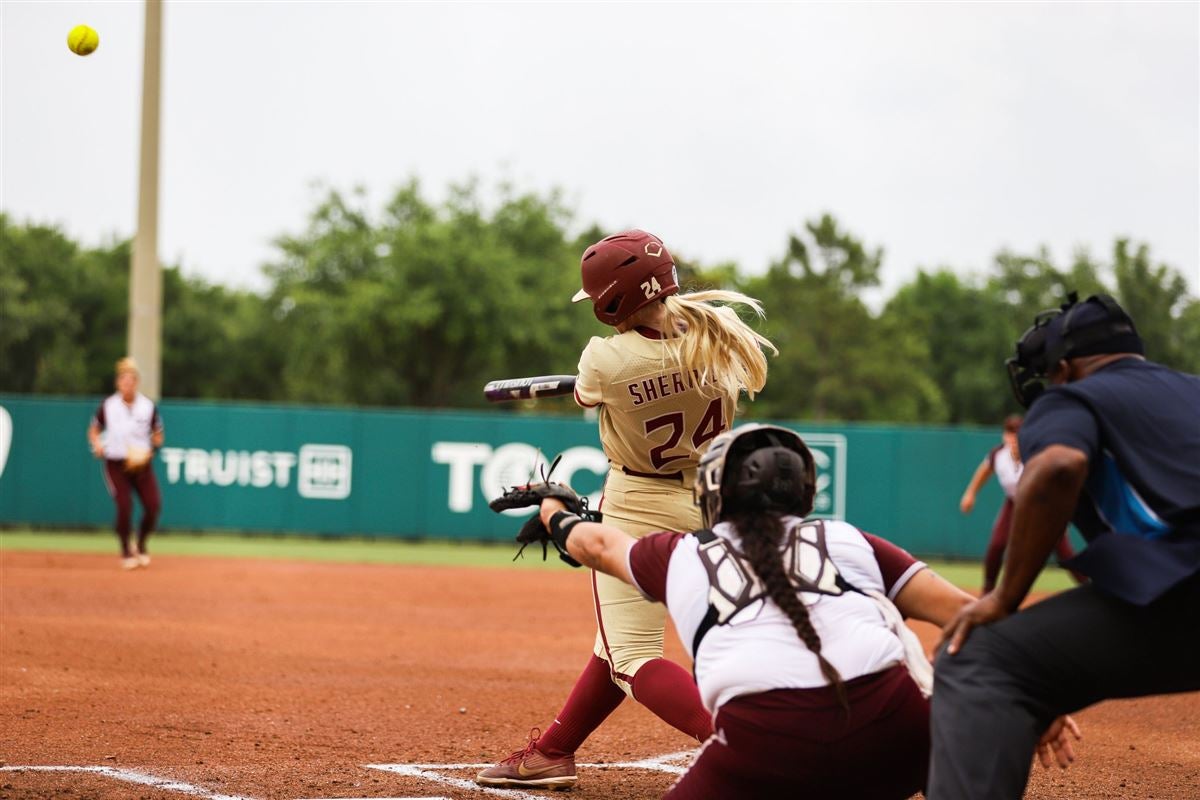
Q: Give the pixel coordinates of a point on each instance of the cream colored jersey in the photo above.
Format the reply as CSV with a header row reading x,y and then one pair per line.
x,y
655,418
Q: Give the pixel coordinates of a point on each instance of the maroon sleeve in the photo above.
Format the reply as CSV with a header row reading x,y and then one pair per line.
x,y
99,418
579,401
895,563
648,559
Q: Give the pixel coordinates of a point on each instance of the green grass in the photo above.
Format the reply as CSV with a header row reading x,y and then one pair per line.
x,y
967,574
362,551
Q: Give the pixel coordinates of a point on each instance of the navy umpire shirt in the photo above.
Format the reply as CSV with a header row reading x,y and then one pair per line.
x,y
1139,424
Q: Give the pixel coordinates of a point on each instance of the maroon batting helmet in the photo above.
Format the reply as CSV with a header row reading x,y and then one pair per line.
x,y
625,272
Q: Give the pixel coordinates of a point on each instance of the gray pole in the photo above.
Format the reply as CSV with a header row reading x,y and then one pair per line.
x,y
145,277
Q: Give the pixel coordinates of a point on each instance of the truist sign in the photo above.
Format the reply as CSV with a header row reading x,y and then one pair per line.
x,y
322,471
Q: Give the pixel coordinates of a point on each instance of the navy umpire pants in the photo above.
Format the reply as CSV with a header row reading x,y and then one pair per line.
x,y
993,700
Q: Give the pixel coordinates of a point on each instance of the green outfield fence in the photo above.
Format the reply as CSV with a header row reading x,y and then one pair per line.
x,y
410,474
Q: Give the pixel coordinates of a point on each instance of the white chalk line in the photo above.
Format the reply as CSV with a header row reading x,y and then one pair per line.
x,y
133,776
657,763
434,772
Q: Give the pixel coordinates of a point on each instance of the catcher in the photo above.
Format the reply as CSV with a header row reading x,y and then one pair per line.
x,y
124,433
666,384
800,650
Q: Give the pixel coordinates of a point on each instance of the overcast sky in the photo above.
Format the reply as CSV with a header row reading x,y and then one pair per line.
x,y
939,132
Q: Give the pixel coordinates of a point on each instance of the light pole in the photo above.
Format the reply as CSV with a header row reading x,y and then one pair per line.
x,y
145,276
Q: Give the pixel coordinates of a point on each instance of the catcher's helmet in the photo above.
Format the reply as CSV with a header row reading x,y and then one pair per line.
x,y
755,467
624,272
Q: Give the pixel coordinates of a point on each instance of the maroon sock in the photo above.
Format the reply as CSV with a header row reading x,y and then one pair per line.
x,y
668,690
594,697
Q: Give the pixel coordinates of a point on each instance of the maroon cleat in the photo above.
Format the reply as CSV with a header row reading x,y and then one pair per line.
x,y
531,769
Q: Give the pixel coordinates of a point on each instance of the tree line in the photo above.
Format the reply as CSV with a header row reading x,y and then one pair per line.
x,y
421,302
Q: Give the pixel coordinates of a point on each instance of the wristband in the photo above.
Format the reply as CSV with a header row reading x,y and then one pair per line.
x,y
561,524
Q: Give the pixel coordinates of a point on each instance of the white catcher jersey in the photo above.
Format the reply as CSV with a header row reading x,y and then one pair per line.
x,y
655,419
756,649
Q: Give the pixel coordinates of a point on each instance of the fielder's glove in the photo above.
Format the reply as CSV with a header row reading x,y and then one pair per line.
x,y
530,496
137,458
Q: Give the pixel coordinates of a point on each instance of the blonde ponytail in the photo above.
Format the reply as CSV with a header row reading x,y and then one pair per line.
x,y
716,344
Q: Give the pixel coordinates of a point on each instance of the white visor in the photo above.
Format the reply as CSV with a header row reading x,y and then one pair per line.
x,y
580,296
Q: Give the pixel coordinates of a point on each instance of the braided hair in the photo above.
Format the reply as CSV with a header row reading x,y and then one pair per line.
x,y
761,531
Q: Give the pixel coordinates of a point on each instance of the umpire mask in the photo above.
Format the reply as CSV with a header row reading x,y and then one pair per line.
x,y
1096,326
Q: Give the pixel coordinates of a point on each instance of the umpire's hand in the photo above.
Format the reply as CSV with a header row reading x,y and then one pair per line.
x,y
1055,744
980,612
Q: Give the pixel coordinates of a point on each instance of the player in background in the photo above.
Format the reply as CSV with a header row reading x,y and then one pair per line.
x,y
1004,461
817,686
125,432
666,384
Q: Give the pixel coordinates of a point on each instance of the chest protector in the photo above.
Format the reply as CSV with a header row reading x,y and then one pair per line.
x,y
733,586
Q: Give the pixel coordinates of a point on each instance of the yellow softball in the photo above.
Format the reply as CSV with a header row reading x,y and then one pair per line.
x,y
83,40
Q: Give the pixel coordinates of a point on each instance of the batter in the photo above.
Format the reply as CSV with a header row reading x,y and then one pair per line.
x,y
665,385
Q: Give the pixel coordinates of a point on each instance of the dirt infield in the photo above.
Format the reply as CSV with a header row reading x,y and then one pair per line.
x,y
261,679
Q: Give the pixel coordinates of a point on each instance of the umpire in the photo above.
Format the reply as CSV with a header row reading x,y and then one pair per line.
x,y
1114,446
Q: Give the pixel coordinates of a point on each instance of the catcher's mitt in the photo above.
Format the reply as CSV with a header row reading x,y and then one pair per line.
x,y
136,458
530,496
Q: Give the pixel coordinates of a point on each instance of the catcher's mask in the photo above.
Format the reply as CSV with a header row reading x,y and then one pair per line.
x,y
625,272
755,467
1096,326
